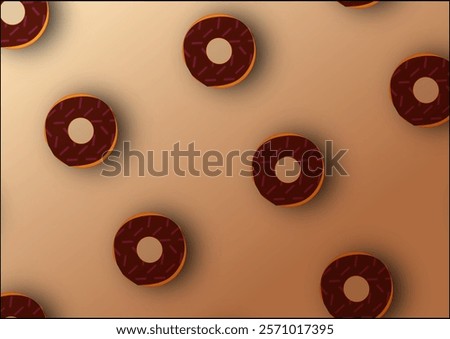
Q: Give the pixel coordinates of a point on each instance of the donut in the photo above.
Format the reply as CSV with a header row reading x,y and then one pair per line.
x,y
15,305
99,115
166,232
309,158
358,4
30,29
242,44
407,105
366,266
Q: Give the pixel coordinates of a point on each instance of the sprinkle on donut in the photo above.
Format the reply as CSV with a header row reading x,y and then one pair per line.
x,y
97,113
311,163
415,112
173,256
30,29
15,305
242,44
363,265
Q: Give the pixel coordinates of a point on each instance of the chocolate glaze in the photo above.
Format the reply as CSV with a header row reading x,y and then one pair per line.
x,y
403,98
367,267
171,239
355,3
101,118
34,22
230,29
302,150
20,306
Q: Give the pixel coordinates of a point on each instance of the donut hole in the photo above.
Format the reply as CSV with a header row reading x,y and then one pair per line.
x,y
426,90
356,288
149,249
287,170
81,130
219,51
12,12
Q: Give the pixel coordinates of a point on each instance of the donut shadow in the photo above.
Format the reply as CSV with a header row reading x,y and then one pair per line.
x,y
427,133
381,6
440,131
398,297
52,31
189,268
39,295
262,59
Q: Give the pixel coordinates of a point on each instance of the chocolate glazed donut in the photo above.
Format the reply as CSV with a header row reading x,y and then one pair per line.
x,y
29,29
242,58
166,232
100,116
311,163
405,76
358,4
14,305
366,266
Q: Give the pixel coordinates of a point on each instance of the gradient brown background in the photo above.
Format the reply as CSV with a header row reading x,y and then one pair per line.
x,y
322,70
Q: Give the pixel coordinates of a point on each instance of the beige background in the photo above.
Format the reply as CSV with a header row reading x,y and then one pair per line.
x,y
322,71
